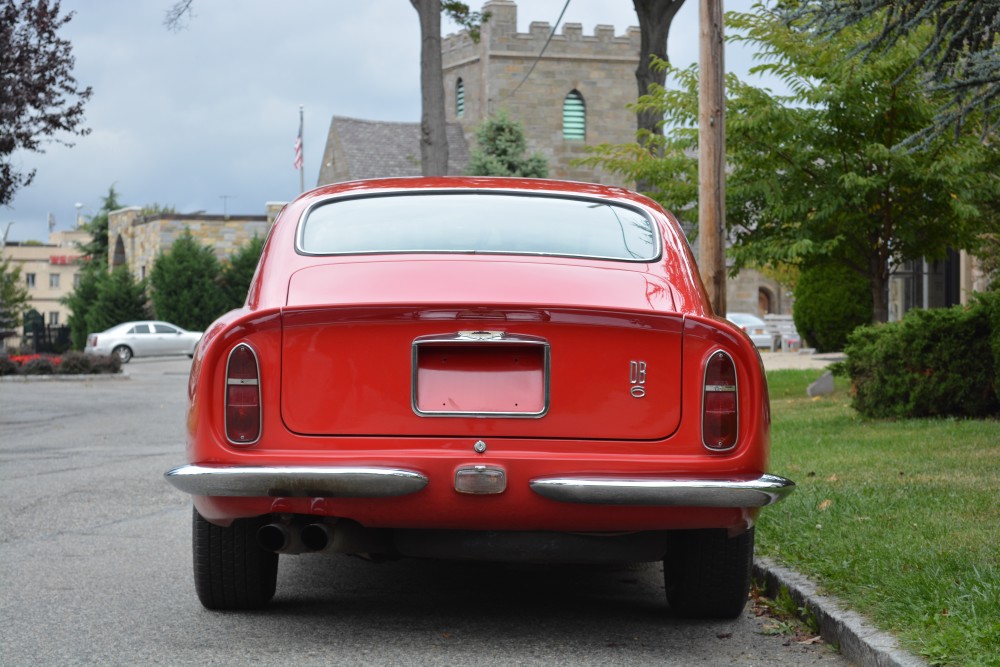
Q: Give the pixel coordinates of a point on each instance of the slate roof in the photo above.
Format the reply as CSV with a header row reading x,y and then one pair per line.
x,y
357,148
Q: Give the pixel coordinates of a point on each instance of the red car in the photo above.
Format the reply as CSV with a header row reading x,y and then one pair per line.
x,y
486,368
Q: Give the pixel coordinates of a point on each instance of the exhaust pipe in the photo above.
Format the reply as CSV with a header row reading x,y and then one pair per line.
x,y
316,537
274,537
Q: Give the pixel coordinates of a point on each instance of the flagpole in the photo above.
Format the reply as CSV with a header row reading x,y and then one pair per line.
x,y
302,169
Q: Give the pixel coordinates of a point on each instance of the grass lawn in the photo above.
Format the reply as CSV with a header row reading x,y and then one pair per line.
x,y
900,519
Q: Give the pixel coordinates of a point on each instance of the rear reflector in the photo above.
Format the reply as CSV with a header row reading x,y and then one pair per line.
x,y
720,407
243,413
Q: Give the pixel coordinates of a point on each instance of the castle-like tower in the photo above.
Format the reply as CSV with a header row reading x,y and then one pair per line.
x,y
575,96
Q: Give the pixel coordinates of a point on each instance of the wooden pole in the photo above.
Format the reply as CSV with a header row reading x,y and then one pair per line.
x,y
712,154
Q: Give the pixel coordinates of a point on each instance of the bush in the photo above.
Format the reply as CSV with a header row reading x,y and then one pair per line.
x,y
933,363
104,363
76,363
831,301
38,366
7,367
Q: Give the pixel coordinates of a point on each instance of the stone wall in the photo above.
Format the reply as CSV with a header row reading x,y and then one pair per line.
x,y
601,67
136,240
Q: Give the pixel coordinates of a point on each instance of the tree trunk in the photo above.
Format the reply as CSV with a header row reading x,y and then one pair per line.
x,y
880,294
712,155
655,17
433,137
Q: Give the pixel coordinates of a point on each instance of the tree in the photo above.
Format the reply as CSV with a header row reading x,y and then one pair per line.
x,y
814,175
500,151
39,97
185,285
120,298
655,18
433,124
961,58
238,272
14,297
96,250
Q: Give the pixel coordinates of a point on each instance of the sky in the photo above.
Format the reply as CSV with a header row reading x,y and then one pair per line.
x,y
205,119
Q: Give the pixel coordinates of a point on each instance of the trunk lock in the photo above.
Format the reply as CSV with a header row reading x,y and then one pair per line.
x,y
479,447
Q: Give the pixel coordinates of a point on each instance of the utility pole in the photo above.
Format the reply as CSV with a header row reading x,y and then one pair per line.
x,y
712,154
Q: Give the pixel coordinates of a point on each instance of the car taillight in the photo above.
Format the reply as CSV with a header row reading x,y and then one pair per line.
x,y
243,413
720,406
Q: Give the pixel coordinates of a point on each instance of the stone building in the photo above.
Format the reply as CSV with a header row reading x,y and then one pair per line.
x,y
135,240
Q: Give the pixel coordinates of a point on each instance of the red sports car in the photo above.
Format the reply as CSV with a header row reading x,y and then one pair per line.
x,y
487,368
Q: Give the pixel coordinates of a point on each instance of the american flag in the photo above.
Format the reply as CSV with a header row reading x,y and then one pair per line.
x,y
298,148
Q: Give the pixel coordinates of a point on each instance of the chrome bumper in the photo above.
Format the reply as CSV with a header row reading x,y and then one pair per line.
x,y
295,481
753,492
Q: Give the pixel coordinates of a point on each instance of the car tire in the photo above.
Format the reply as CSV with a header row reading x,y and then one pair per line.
x,y
707,573
231,571
123,352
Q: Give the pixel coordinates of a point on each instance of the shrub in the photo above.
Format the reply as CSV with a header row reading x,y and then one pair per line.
x,y
933,363
38,366
76,363
831,301
103,363
7,367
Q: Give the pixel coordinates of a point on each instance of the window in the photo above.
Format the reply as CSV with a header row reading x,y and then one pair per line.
x,y
165,329
29,279
139,329
76,280
460,222
54,280
459,98
53,319
574,117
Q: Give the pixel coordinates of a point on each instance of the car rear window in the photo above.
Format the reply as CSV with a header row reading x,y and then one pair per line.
x,y
479,223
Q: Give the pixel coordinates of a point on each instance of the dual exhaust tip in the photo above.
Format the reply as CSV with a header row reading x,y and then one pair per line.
x,y
284,539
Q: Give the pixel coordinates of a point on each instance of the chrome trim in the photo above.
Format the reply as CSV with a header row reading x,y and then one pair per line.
x,y
665,492
295,481
706,388
496,337
236,382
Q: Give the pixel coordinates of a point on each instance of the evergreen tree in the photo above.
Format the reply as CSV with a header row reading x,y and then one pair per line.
x,y
501,148
14,296
80,302
238,272
97,249
120,298
185,285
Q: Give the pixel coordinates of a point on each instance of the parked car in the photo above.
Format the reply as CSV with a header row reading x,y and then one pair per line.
x,y
148,338
755,327
486,368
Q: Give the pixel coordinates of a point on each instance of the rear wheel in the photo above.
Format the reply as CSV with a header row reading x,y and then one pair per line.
x,y
231,571
123,352
707,573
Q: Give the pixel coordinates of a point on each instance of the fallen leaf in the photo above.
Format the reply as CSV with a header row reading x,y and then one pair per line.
x,y
825,505
833,478
812,640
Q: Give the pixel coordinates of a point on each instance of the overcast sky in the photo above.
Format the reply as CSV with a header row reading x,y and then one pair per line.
x,y
205,119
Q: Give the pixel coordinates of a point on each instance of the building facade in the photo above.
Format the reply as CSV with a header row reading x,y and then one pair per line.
x,y
50,271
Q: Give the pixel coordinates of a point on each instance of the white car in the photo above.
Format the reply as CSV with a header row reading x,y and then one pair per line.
x,y
755,327
148,338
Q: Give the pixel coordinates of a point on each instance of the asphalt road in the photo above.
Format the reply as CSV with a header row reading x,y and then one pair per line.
x,y
95,568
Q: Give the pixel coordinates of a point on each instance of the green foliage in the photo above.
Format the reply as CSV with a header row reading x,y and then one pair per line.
x,y
75,363
501,148
7,367
460,13
238,272
97,249
814,175
81,300
932,363
120,298
14,296
39,366
831,301
184,284
40,97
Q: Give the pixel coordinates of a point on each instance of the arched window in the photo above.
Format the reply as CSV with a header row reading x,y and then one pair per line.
x,y
574,117
459,98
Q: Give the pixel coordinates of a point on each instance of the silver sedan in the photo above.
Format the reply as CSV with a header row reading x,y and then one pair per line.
x,y
148,338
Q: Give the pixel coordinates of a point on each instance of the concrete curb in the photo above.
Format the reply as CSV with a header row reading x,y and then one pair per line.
x,y
99,377
859,642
